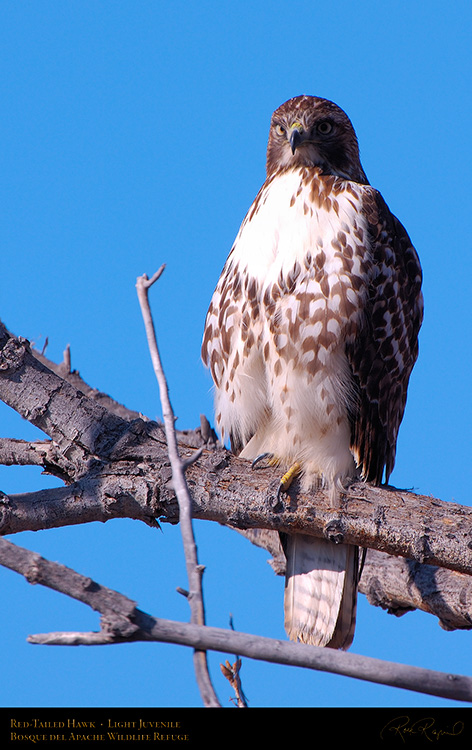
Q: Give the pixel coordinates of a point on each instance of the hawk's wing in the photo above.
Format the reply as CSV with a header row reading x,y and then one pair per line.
x,y
235,362
383,354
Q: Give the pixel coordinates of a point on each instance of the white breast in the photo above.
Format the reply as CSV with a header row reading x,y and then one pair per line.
x,y
290,388
277,234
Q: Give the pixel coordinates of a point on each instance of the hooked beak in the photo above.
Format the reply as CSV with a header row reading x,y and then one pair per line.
x,y
296,136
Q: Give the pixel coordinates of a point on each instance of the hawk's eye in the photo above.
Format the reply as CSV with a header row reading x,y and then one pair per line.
x,y
324,127
279,129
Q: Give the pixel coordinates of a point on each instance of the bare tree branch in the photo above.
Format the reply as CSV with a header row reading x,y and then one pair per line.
x,y
114,465
104,446
122,621
48,401
179,482
65,371
395,521
202,435
399,586
396,584
15,452
129,475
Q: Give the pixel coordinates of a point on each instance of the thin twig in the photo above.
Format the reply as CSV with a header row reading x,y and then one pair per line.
x,y
67,359
194,570
232,672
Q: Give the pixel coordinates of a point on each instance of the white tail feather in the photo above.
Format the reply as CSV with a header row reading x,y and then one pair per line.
x,y
320,591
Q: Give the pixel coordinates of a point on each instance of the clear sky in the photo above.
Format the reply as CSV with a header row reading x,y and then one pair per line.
x,y
133,132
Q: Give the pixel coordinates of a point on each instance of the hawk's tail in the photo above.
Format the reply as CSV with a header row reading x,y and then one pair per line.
x,y
320,591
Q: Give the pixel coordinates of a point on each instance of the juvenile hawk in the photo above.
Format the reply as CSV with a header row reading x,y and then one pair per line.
x,y
311,336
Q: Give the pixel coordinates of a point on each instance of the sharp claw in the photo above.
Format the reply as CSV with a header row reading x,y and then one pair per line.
x,y
259,458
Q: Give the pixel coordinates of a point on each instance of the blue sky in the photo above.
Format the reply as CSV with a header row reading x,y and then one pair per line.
x,y
133,133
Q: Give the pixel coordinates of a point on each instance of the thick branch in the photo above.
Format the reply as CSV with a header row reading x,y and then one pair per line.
x,y
202,435
224,489
385,518
51,403
399,586
129,475
123,622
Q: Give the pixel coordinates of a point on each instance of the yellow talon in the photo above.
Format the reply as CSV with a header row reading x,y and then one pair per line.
x,y
287,478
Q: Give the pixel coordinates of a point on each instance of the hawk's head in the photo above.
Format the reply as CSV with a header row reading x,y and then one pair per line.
x,y
311,132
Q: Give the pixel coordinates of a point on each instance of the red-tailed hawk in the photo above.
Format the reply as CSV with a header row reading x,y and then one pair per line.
x,y
311,336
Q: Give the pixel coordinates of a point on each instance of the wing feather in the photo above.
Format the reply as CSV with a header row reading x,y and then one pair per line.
x,y
383,354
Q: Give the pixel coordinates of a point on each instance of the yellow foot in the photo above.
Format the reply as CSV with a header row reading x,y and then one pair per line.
x,y
287,478
289,475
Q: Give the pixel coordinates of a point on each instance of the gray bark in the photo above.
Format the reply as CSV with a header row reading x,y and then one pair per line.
x,y
122,621
115,464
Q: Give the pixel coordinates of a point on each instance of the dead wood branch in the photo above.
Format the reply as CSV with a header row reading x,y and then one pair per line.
x,y
399,586
122,622
179,483
116,467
